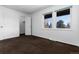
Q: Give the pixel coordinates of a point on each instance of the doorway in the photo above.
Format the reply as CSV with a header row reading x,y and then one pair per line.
x,y
22,25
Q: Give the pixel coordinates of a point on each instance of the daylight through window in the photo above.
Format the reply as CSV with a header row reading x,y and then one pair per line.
x,y
63,19
48,20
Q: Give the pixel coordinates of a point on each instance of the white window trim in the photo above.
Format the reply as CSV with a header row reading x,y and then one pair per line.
x,y
70,20
44,19
54,20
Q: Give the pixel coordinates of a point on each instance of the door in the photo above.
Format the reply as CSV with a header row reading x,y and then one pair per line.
x,y
22,25
1,24
11,22
28,26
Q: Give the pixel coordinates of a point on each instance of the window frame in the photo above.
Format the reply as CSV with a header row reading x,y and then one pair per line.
x,y
70,18
48,18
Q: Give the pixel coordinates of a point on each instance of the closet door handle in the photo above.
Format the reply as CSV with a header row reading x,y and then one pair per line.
x,y
1,26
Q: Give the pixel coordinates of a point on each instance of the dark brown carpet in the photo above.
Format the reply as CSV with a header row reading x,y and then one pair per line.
x,y
35,45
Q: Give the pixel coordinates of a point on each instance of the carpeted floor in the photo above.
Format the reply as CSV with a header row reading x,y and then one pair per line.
x,y
35,45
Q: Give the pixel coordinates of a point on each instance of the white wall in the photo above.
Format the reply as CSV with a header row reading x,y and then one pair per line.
x,y
28,25
11,22
67,36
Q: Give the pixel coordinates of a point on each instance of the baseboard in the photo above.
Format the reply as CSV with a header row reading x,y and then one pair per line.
x,y
10,38
57,41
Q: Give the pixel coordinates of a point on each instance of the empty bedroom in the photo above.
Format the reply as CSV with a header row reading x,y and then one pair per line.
x,y
39,29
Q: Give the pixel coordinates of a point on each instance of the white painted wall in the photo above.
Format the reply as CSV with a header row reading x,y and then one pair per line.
x,y
28,25
67,36
10,20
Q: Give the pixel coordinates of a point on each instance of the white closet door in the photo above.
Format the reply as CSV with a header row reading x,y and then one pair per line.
x,y
1,24
11,23
28,26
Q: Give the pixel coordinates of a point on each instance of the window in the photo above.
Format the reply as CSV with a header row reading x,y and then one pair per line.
x,y
63,19
48,20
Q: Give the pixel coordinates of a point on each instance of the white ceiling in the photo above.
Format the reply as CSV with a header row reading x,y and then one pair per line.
x,y
27,8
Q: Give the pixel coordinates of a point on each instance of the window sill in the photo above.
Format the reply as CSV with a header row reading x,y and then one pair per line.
x,y
59,29
63,29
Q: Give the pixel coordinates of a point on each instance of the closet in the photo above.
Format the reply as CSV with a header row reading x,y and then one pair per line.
x,y
9,23
1,24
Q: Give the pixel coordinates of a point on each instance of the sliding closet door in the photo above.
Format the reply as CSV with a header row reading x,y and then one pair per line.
x,y
11,23
1,24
